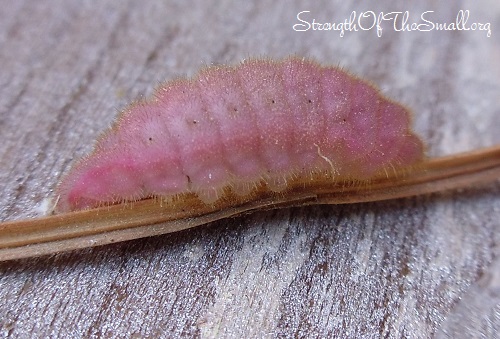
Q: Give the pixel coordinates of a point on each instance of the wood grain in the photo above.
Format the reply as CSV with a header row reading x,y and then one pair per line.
x,y
403,268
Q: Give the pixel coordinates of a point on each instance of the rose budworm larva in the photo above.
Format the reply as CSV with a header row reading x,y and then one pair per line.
x,y
262,122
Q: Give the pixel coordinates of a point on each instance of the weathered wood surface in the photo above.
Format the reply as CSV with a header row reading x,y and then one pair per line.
x,y
406,268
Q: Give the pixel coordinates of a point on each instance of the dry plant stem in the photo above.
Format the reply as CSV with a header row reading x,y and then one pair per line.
x,y
20,239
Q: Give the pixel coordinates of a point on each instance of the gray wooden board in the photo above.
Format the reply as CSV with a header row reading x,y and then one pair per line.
x,y
413,267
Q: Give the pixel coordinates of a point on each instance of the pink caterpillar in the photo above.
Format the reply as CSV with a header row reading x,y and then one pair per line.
x,y
261,122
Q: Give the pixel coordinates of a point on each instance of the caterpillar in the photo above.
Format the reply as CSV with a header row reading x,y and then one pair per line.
x,y
234,128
